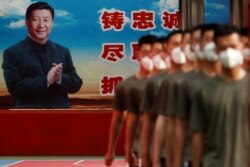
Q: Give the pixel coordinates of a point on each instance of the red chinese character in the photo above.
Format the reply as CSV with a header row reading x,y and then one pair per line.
x,y
143,20
170,20
113,52
114,19
108,84
134,50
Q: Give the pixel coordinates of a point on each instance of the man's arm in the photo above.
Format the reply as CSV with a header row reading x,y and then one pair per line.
x,y
147,125
131,127
70,82
145,138
182,111
197,148
197,125
17,84
118,118
159,137
180,130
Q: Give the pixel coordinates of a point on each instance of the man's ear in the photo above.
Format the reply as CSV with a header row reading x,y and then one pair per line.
x,y
26,23
137,55
216,47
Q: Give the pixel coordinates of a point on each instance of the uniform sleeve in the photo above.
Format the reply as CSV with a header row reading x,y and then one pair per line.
x,y
133,101
17,84
197,119
71,82
183,101
119,98
148,97
172,98
161,101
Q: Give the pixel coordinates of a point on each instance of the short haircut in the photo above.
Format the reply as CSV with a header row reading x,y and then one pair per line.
x,y
208,27
173,33
147,39
186,31
225,30
245,31
161,39
198,27
39,6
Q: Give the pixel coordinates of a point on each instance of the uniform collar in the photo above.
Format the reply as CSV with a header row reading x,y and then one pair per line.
x,y
37,46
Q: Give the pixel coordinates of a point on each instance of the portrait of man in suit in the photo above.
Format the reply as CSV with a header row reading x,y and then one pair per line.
x,y
39,73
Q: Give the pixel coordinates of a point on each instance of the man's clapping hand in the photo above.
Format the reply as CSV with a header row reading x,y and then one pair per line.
x,y
55,74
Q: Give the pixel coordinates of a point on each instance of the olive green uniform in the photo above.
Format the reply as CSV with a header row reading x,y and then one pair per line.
x,y
151,91
135,95
121,93
220,110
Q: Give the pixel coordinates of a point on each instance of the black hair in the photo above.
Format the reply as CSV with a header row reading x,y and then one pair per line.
x,y
245,31
39,6
147,39
186,31
172,34
198,27
225,30
161,39
208,27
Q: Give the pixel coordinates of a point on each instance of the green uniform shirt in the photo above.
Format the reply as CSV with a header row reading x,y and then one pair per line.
x,y
185,91
166,99
121,93
151,91
136,94
220,109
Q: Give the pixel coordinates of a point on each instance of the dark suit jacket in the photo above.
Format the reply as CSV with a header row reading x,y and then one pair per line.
x,y
26,65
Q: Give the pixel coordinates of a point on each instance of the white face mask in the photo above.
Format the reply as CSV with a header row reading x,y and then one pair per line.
x,y
159,64
198,52
178,56
231,58
246,53
209,52
147,63
190,55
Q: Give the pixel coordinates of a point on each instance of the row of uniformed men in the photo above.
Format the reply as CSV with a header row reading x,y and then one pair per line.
x,y
191,86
